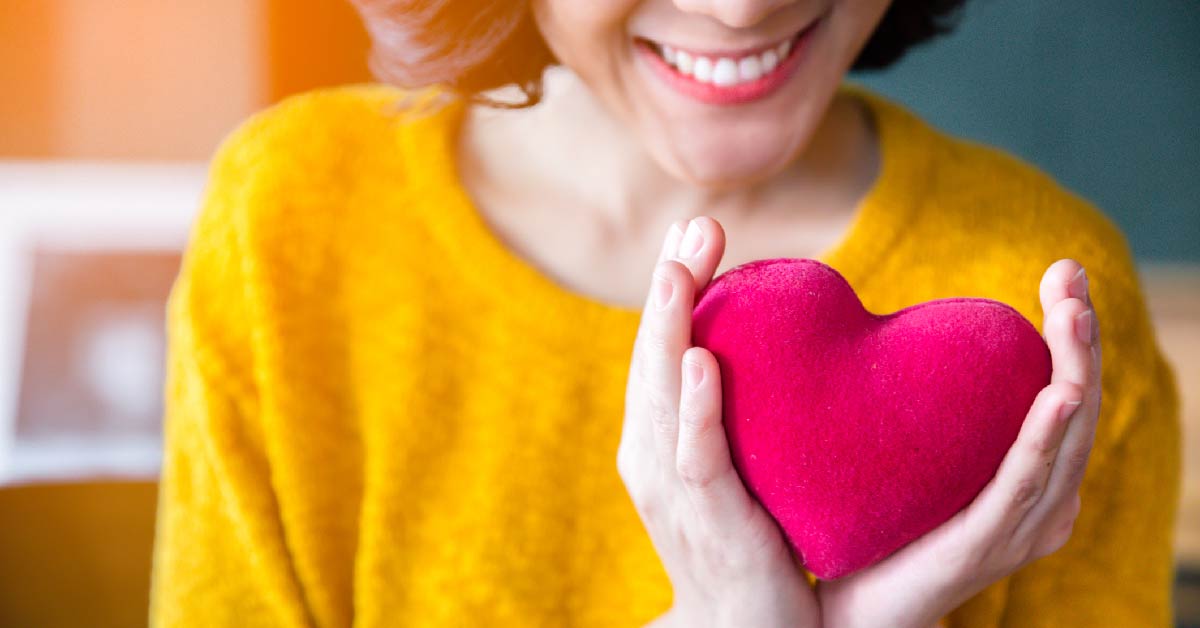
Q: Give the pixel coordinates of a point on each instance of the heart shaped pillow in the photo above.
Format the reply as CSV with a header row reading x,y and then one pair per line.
x,y
860,432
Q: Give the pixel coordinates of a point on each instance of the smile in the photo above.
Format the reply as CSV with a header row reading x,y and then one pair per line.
x,y
727,77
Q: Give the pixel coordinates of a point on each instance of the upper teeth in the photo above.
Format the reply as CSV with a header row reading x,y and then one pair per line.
x,y
724,71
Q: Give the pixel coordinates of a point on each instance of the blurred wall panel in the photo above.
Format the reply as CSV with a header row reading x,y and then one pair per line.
x,y
28,56
1102,94
1173,296
314,43
148,79
137,79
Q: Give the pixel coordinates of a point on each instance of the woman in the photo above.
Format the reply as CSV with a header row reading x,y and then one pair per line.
x,y
433,366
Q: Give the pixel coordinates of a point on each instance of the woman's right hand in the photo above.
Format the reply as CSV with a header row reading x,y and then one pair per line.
x,y
727,560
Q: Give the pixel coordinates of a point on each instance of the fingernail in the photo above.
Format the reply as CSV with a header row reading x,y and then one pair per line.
x,y
1078,286
663,289
1083,326
671,243
1067,409
692,375
692,241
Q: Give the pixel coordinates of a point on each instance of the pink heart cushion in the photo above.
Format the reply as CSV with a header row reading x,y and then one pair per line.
x,y
860,432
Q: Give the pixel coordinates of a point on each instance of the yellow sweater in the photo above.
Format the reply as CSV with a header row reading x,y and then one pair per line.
x,y
379,415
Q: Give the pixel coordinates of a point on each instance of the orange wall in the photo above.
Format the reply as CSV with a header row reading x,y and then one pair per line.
x,y
153,80
311,43
27,56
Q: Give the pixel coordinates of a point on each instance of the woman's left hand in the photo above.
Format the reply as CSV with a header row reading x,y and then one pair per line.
x,y
1026,511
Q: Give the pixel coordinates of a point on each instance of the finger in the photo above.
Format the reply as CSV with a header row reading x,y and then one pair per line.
x,y
1071,349
1069,330
701,249
665,333
1022,476
636,433
1070,326
670,247
1064,478
1062,280
1072,333
703,253
702,459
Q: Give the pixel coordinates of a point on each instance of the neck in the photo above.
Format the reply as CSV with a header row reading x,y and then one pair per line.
x,y
570,147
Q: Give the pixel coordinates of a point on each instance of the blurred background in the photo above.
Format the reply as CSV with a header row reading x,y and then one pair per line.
x,y
111,111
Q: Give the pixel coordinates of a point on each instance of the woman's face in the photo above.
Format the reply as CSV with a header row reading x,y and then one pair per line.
x,y
721,93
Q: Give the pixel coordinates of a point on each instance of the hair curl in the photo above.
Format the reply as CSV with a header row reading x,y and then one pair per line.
x,y
473,46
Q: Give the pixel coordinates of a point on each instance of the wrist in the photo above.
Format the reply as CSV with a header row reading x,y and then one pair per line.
x,y
919,605
768,605
730,614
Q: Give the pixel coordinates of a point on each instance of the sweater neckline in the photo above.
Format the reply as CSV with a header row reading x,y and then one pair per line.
x,y
881,216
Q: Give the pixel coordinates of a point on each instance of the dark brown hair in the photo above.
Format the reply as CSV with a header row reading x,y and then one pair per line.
x,y
471,46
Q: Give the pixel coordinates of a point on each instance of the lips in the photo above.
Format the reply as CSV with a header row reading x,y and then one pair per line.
x,y
730,77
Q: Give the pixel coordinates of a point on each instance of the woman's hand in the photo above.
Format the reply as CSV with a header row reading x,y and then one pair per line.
x,y
727,560
1028,509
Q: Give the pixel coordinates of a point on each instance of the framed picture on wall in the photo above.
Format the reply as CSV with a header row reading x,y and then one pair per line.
x,y
88,254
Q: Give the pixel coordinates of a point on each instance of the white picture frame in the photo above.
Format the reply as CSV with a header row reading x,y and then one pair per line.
x,y
80,207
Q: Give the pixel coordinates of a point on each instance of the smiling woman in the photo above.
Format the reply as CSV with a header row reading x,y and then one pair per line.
x,y
435,365
473,47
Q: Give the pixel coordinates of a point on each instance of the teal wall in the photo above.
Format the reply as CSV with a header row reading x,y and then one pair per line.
x,y
1104,95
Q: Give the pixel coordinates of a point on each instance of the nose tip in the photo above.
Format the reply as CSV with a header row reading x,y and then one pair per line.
x,y
734,13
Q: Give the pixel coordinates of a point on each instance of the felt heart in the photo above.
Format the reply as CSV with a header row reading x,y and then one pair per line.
x,y
860,432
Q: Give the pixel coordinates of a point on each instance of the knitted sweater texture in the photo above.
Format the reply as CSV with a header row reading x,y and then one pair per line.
x,y
377,414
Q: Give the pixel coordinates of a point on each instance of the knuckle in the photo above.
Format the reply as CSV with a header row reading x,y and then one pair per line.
x,y
694,472
1073,306
1026,493
1068,391
1044,445
672,269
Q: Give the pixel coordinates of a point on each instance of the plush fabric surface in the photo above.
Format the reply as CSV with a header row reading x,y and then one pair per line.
x,y
860,432
378,415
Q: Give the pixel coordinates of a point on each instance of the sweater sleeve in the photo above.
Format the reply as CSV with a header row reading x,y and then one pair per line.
x,y
1117,568
220,555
